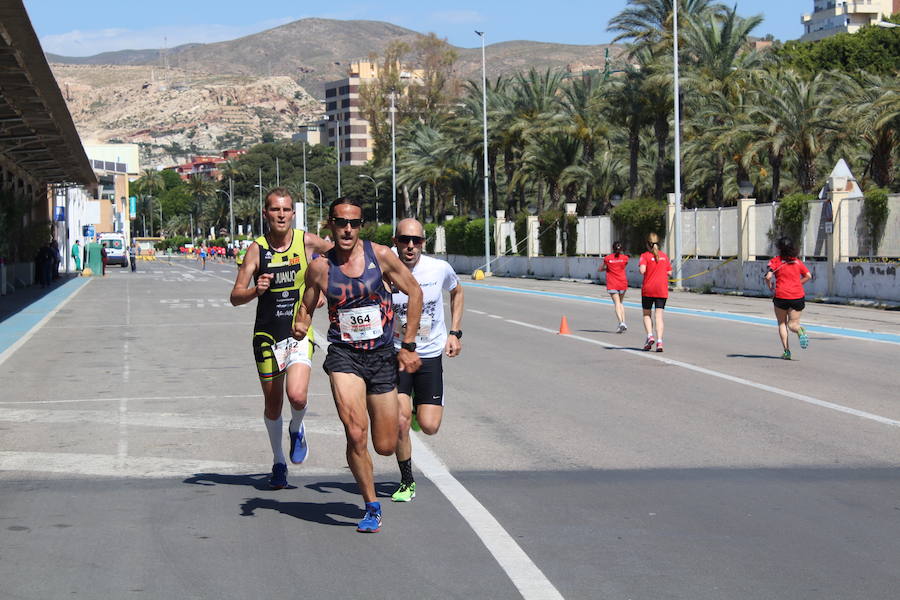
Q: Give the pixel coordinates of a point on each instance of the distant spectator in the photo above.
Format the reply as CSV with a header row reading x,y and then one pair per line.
x,y
103,258
76,255
55,259
132,256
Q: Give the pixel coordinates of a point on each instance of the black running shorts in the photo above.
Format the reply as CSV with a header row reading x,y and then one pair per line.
x,y
426,386
647,302
378,368
797,304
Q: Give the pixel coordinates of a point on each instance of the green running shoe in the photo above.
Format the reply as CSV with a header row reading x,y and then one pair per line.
x,y
406,492
804,339
786,355
414,423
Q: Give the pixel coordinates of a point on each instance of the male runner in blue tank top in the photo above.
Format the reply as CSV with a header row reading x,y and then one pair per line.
x,y
277,262
362,363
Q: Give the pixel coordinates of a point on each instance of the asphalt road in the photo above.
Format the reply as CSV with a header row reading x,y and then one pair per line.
x,y
134,460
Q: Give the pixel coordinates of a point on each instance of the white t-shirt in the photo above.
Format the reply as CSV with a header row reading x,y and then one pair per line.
x,y
434,276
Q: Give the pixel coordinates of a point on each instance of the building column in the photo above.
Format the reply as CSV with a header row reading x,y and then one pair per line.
x,y
499,244
838,238
743,235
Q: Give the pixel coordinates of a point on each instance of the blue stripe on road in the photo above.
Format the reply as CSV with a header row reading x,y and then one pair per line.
x,y
853,333
20,323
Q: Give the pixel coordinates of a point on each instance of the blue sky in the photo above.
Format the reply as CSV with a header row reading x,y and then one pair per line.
x,y
85,27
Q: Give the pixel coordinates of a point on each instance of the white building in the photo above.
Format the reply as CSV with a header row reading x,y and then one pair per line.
x,y
830,17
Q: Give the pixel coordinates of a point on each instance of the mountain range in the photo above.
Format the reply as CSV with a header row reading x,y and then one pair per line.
x,y
310,52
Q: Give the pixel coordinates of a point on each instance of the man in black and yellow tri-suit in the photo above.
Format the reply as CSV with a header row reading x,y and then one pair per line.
x,y
277,264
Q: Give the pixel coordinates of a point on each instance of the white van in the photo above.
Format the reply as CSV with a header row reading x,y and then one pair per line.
x,y
116,250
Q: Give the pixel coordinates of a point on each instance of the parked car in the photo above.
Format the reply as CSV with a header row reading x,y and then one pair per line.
x,y
116,249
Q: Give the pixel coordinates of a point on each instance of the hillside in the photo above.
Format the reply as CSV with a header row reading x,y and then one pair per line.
x,y
169,102
182,114
315,51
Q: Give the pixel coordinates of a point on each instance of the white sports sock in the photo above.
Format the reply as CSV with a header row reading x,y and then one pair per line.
x,y
274,429
296,419
658,341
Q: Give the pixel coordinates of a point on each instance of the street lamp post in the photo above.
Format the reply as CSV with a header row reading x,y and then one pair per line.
x,y
372,179
337,143
393,166
318,189
230,194
487,221
676,271
260,186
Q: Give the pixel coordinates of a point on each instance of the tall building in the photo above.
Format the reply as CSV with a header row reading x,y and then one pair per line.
x,y
831,17
343,125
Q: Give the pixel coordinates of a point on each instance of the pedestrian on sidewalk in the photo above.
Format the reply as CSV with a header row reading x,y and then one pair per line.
x,y
785,277
616,281
656,269
76,256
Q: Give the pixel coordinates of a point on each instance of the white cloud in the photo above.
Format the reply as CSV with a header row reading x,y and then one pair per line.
x,y
458,17
90,42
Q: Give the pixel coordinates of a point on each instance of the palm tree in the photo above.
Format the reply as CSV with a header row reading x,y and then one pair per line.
x,y
647,23
202,189
792,114
872,113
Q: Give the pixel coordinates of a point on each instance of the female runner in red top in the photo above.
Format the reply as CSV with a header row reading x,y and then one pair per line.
x,y
656,269
786,276
616,281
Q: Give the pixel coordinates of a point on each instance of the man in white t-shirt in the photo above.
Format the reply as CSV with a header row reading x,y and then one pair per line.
x,y
422,392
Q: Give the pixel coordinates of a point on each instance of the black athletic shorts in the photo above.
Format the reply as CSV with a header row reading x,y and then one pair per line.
x,y
797,304
647,302
378,368
426,386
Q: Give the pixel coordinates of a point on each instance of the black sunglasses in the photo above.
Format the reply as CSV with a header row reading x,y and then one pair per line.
x,y
341,222
403,240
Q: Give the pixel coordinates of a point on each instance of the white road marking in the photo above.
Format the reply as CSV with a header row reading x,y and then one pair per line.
x,y
521,570
199,272
495,316
117,399
30,333
144,467
760,386
122,449
477,312
169,420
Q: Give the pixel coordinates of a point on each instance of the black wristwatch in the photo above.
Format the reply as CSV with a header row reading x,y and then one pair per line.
x,y
456,332
411,346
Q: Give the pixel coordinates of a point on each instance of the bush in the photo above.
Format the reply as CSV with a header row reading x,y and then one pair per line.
x,y
430,237
521,228
548,225
474,241
636,218
875,215
571,235
789,217
455,230
380,234
172,244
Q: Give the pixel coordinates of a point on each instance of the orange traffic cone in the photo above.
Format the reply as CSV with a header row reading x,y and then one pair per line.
x,y
564,327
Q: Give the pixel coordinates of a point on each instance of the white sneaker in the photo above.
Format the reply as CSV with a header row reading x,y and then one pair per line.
x,y
623,327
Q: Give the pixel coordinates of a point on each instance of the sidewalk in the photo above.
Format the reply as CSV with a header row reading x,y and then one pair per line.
x,y
21,311
827,315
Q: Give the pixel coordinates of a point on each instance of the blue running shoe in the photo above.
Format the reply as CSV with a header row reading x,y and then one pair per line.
x,y
372,521
299,447
278,480
804,339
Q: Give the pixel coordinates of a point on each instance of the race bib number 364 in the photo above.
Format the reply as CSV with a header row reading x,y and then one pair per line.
x,y
360,324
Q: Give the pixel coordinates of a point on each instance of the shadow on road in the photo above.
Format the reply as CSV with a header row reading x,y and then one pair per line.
x,y
382,490
769,356
259,481
307,511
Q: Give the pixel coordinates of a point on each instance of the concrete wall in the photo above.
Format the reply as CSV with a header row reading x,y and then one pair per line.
x,y
876,281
